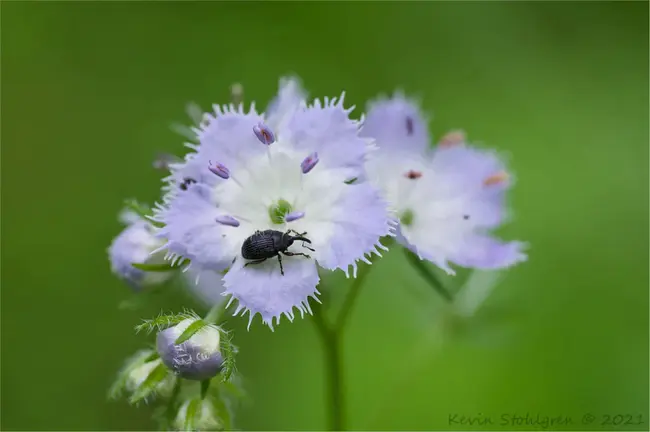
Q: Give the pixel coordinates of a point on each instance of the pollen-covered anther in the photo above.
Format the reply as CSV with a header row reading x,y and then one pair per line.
x,y
264,133
294,216
219,170
309,163
495,179
453,138
227,220
413,175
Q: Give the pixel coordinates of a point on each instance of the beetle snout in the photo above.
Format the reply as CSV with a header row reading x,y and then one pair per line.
x,y
305,239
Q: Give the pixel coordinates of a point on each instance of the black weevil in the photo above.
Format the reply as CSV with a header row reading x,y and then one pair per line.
x,y
266,244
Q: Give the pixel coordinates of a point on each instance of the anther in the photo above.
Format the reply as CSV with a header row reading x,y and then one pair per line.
x,y
309,163
220,170
227,220
187,181
494,179
294,216
264,134
236,94
453,138
413,175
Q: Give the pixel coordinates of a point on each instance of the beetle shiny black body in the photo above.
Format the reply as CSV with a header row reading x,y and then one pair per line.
x,y
271,243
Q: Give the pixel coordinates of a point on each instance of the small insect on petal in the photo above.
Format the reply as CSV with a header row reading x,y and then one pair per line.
x,y
294,216
498,178
309,163
220,170
413,175
227,220
453,138
264,134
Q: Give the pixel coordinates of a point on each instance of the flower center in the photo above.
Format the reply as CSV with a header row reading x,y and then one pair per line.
x,y
406,218
279,210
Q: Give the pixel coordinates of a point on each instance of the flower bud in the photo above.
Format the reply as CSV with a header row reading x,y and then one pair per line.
x,y
135,244
198,358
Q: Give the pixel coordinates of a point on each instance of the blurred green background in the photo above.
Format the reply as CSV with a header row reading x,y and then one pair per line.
x,y
89,90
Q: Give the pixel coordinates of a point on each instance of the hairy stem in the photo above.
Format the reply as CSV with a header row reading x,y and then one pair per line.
x,y
428,275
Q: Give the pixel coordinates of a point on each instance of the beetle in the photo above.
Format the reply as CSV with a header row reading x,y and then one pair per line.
x,y
266,244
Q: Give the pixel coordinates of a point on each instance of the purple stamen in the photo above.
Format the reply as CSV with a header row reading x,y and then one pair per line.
x,y
220,170
294,216
227,220
309,163
264,134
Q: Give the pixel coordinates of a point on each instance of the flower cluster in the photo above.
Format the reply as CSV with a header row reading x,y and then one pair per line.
x,y
263,201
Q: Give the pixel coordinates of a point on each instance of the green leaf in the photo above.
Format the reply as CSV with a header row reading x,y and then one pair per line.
x,y
160,267
149,385
228,351
190,416
351,181
190,331
163,321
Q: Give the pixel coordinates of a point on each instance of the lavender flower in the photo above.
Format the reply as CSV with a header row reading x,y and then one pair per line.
x,y
135,244
269,188
446,199
198,358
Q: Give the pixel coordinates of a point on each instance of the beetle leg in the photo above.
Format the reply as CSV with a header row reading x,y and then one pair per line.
x,y
280,261
255,262
296,232
287,253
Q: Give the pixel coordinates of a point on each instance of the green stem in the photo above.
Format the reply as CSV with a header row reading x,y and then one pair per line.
x,y
335,398
428,275
332,338
351,297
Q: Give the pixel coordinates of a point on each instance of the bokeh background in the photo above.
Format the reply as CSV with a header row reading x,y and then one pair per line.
x,y
89,90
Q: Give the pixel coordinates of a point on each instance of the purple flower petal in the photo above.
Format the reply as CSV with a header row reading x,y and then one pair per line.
x,y
484,252
397,124
290,97
228,137
206,285
261,288
327,130
191,231
358,220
